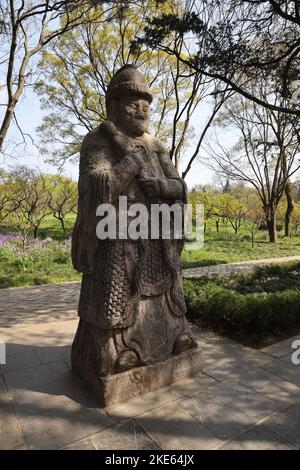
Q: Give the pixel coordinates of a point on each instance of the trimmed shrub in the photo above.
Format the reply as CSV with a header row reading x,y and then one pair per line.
x,y
247,304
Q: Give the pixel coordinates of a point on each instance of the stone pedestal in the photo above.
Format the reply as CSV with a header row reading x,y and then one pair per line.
x,y
119,388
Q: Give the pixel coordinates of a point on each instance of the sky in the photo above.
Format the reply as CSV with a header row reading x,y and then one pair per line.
x,y
29,115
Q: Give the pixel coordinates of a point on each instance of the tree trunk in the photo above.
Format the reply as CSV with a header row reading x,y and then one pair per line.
x,y
217,225
271,223
63,225
35,232
289,210
8,117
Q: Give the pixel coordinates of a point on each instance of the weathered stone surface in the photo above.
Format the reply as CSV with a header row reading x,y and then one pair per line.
x,y
286,424
254,404
49,410
119,388
21,361
264,382
10,432
281,349
125,436
175,429
84,444
224,359
161,397
57,421
34,376
257,438
131,306
66,385
221,419
285,369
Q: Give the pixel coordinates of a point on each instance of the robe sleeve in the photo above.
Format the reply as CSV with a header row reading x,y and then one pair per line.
x,y
172,187
99,182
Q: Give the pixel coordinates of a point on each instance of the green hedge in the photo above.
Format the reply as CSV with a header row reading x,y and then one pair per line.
x,y
247,304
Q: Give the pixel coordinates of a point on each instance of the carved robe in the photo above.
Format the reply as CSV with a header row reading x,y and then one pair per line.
x,y
131,295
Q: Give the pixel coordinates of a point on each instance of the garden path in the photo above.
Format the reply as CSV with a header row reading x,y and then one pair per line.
x,y
235,268
246,399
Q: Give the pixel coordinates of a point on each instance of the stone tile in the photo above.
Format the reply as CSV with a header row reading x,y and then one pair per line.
x,y
16,349
10,433
84,444
220,418
223,360
2,384
174,429
67,385
57,421
21,361
281,348
68,362
161,397
36,375
38,304
253,404
285,369
193,386
144,403
35,336
52,354
286,424
256,438
125,436
264,382
228,363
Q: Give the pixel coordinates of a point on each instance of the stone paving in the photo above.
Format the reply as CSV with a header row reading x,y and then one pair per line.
x,y
246,399
235,268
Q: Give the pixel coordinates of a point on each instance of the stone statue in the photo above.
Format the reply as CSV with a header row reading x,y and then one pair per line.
x,y
131,308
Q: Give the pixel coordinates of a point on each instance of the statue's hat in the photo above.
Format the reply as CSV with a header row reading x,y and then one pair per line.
x,y
126,81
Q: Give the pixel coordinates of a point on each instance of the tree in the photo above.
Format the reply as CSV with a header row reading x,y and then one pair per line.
x,y
231,209
265,156
30,198
255,216
289,209
207,198
27,27
62,197
6,196
295,219
237,42
75,73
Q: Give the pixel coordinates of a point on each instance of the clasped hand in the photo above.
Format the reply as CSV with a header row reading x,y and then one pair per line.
x,y
151,186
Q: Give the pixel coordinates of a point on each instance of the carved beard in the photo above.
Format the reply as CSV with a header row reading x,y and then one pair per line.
x,y
137,127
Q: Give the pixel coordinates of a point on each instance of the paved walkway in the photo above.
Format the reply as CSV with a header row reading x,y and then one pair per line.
x,y
246,399
235,268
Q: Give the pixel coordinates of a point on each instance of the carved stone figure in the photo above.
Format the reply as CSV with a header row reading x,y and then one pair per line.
x,y
131,308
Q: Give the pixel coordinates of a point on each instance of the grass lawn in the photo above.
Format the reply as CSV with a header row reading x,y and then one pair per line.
x,y
226,247
43,262
50,262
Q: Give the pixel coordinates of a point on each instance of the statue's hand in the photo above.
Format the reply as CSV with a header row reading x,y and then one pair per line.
x,y
150,186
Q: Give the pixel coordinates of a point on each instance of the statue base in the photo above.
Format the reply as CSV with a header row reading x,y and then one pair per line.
x,y
122,387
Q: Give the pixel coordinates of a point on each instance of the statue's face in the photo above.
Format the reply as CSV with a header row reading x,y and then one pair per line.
x,y
134,115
